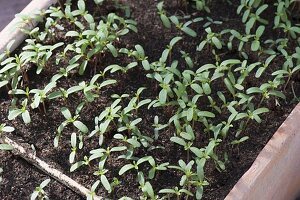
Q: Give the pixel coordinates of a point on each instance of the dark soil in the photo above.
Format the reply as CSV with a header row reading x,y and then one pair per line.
x,y
20,178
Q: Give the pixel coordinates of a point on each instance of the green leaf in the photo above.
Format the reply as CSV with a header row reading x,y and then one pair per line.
x,y
34,195
206,88
95,185
249,25
178,140
83,128
76,166
199,192
148,188
6,147
72,157
72,34
205,67
146,64
164,55
190,114
83,67
259,72
175,40
7,129
260,111
163,96
277,94
197,88
189,31
255,45
66,113
260,30
126,168
45,183
7,67
89,18
3,83
73,139
217,42
140,50
229,86
81,5
261,9
105,183
26,117
240,116
165,20
201,45
253,90
112,49
206,114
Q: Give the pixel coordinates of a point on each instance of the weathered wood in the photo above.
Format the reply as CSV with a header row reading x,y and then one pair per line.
x,y
275,174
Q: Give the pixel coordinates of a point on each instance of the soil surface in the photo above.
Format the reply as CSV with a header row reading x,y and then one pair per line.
x,y
20,178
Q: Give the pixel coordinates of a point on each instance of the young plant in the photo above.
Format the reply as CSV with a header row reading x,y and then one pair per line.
x,y
255,45
71,120
39,192
212,39
146,188
134,165
156,167
92,193
184,27
163,16
23,111
41,95
176,191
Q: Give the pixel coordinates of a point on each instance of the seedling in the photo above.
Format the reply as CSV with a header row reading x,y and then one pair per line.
x,y
162,13
23,111
40,192
184,27
71,120
176,191
212,39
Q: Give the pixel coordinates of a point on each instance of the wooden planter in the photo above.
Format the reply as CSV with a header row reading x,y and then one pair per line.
x,y
274,175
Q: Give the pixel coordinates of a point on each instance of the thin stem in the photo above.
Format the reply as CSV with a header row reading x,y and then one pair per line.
x,y
295,96
287,82
44,108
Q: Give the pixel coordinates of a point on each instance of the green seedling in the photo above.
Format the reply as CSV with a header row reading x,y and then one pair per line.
x,y
134,165
184,27
156,167
23,111
176,191
41,95
69,119
163,16
146,187
212,39
92,193
39,192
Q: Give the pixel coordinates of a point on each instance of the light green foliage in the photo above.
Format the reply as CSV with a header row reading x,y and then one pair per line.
x,y
196,105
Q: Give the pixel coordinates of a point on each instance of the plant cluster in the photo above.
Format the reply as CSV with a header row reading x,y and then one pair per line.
x,y
206,105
